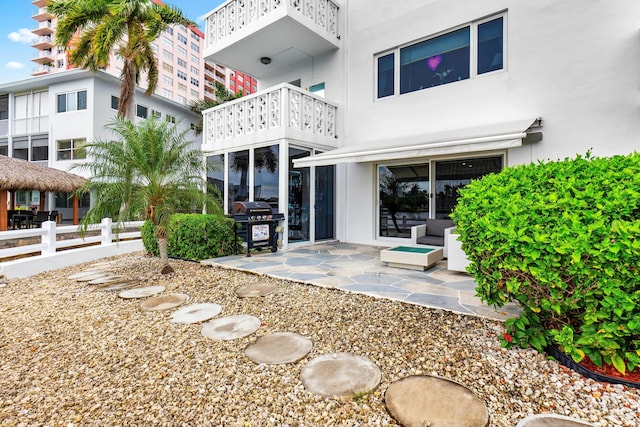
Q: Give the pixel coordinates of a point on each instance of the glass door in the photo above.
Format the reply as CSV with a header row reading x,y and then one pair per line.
x,y
404,198
299,197
324,203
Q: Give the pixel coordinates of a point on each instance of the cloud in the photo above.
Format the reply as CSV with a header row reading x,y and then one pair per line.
x,y
13,65
23,35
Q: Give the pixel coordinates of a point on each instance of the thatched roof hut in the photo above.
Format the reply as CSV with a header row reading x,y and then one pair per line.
x,y
16,174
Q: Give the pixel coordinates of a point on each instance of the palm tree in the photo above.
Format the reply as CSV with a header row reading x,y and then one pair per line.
x,y
94,29
222,96
151,172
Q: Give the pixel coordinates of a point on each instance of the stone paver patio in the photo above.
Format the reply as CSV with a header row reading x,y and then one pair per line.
x,y
357,268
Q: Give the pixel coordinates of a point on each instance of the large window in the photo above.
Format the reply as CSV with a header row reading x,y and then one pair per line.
x,y
409,194
266,175
65,200
464,53
72,101
404,198
71,149
238,185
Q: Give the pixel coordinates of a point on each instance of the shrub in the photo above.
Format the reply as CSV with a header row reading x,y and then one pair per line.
x,y
149,240
198,237
563,240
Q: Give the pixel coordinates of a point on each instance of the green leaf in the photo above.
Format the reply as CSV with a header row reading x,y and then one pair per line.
x,y
618,363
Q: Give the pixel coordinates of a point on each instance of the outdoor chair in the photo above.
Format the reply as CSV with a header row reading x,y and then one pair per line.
x,y
434,232
41,217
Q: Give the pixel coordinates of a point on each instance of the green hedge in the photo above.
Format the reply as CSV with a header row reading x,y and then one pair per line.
x,y
193,236
563,240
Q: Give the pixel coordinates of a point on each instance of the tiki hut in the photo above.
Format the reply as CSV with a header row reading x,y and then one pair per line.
x,y
16,174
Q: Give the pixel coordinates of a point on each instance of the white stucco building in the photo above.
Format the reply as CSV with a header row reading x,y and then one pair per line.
x,y
48,119
377,111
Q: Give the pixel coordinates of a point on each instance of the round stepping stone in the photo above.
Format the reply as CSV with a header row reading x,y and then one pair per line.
x,y
340,374
231,327
87,273
118,285
552,420
106,279
95,276
417,399
195,313
163,302
256,290
147,291
279,348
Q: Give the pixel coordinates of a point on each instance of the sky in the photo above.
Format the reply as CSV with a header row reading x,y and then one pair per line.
x,y
16,37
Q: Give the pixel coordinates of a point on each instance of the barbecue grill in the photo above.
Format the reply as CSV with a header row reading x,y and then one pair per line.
x,y
256,224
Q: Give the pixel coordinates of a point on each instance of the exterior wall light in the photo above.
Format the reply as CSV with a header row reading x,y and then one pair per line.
x,y
265,60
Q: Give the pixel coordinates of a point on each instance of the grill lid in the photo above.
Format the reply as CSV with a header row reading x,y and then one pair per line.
x,y
252,208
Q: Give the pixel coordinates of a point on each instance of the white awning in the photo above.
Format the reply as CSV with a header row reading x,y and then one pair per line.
x,y
498,136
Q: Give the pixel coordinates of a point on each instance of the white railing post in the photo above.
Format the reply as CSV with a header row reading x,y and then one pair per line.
x,y
48,238
106,232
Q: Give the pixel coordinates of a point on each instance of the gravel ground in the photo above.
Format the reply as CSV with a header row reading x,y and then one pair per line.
x,y
71,355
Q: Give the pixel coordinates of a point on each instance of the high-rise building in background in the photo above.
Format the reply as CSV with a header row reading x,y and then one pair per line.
x,y
183,75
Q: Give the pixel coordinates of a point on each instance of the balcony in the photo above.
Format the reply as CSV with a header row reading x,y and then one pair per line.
x,y
44,57
284,111
42,15
241,32
44,42
43,29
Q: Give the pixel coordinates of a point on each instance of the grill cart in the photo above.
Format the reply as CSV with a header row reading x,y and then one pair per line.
x,y
256,224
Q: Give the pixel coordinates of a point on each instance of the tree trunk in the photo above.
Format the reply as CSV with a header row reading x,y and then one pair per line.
x,y
164,256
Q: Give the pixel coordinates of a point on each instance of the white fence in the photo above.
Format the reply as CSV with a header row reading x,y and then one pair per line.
x,y
53,237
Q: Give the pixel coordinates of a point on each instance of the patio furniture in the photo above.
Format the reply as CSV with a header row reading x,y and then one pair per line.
x,y
22,219
457,259
433,232
41,216
411,257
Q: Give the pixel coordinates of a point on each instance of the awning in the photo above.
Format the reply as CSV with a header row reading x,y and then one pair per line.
x,y
497,136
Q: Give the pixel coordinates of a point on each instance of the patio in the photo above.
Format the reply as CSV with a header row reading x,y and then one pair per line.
x,y
357,268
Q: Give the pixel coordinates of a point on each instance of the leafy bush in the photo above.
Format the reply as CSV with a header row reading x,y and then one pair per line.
x,y
149,240
563,240
199,237
193,236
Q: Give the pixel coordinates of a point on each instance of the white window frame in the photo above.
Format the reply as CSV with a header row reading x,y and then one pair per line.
x,y
473,54
76,144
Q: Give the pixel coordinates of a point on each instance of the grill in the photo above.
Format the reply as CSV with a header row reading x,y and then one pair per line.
x,y
256,224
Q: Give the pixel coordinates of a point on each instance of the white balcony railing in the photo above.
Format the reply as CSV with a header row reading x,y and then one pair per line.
x,y
42,40
237,14
4,127
281,107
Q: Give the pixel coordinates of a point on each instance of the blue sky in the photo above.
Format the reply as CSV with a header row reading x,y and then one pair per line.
x,y
16,25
